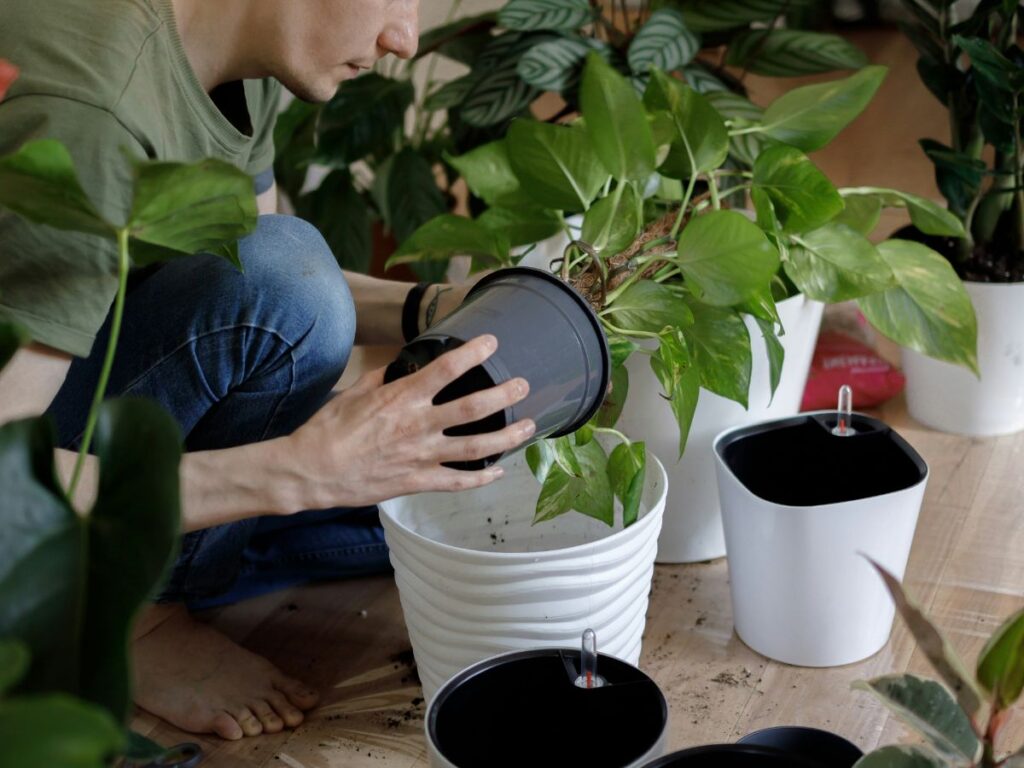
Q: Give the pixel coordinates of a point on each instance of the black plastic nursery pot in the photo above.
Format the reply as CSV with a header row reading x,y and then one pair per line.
x,y
547,334
810,744
524,709
733,756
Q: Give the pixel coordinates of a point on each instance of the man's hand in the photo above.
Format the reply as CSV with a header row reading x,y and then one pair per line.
x,y
376,441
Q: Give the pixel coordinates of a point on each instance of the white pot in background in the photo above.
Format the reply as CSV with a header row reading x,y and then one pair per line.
x,y
952,399
476,579
692,528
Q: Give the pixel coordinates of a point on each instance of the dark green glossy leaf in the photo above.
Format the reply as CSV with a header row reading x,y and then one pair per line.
x,y
591,494
928,217
38,182
811,116
611,228
363,119
776,353
545,14
835,263
928,310
701,142
57,731
861,213
522,226
680,379
802,196
649,307
792,52
14,661
556,163
711,15
1001,663
900,757
12,338
958,175
725,257
448,235
720,346
341,214
663,43
452,93
992,68
487,171
930,710
627,467
616,121
615,400
556,65
412,194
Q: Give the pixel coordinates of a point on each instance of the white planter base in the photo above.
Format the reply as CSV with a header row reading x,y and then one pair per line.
x,y
950,398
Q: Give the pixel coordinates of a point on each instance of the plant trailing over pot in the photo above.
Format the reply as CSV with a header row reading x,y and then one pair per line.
x,y
961,722
671,271
72,581
975,67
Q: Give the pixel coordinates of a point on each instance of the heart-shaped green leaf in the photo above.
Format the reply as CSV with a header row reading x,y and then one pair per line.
x,y
591,493
930,218
802,196
627,466
448,235
487,171
556,163
522,226
649,307
58,731
679,376
612,223
720,346
835,263
700,142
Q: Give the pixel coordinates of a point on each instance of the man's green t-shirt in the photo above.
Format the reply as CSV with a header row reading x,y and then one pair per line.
x,y
106,78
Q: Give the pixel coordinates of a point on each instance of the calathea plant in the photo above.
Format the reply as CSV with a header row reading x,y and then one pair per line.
x,y
73,580
961,723
672,272
975,67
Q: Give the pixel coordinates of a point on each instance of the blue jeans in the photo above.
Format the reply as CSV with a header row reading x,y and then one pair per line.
x,y
238,358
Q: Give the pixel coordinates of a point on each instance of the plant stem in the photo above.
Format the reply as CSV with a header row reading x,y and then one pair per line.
x,y
661,277
623,332
607,228
713,187
108,360
615,432
682,208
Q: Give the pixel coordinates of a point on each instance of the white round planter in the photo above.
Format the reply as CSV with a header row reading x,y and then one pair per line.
x,y
476,579
952,399
692,529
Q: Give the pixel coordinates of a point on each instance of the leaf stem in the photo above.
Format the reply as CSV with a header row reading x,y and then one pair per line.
x,y
108,359
713,188
622,332
615,432
682,208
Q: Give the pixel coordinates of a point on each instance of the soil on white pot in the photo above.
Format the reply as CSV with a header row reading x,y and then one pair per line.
x,y
476,579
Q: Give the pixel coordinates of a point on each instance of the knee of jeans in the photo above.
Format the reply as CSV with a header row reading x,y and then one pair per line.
x,y
292,265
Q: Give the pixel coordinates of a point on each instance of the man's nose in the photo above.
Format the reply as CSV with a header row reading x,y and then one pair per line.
x,y
401,37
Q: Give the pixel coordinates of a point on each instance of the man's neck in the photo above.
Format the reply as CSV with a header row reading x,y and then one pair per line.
x,y
218,40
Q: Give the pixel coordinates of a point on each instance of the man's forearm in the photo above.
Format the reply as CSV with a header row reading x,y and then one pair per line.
x,y
379,307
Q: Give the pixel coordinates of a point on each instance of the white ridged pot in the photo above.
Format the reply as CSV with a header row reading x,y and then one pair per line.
x,y
952,399
692,528
476,579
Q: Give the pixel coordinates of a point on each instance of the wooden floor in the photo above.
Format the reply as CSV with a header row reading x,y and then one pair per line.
x,y
967,568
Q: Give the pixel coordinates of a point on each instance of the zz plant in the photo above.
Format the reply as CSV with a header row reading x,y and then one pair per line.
x,y
73,580
961,722
672,272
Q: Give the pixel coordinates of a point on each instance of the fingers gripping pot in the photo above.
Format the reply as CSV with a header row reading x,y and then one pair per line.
x,y
547,334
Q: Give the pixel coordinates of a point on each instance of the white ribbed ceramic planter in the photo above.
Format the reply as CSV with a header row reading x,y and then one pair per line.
x,y
952,399
477,579
692,529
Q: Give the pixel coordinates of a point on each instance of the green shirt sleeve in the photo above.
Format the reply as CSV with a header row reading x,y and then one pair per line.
x,y
59,285
263,97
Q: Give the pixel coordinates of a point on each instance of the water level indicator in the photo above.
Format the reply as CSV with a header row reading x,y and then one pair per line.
x,y
588,662
844,413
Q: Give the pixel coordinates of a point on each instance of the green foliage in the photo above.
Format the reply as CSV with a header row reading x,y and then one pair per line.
x,y
447,234
556,164
700,142
58,731
802,196
1001,663
545,14
663,42
649,308
588,492
835,263
612,223
792,52
680,379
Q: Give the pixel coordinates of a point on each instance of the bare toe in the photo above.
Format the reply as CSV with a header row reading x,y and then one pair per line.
x,y
250,724
225,726
267,716
288,711
302,696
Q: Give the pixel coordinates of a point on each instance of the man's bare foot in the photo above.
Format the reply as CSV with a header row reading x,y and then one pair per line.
x,y
197,679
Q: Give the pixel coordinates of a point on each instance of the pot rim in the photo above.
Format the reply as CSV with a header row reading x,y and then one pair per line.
x,y
650,518
738,748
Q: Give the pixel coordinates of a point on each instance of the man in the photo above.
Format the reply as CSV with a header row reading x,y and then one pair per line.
x,y
245,363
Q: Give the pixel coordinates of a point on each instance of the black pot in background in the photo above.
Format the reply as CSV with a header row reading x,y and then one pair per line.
x,y
547,334
812,744
732,756
523,709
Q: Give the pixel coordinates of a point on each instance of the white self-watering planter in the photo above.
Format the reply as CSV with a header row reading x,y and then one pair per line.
x,y
477,579
692,529
951,398
801,508
523,709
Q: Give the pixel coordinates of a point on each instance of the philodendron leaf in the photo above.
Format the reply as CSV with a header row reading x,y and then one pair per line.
x,y
39,183
649,307
540,457
700,142
183,209
928,309
12,338
900,757
861,213
663,42
565,455
615,400
621,349
545,14
1001,664
835,263
616,122
610,227
487,171
802,196
934,646
725,257
929,709
675,368
448,235
720,345
58,731
413,196
776,353
522,226
627,467
363,118
14,660
810,117
792,52
556,163
930,218
590,494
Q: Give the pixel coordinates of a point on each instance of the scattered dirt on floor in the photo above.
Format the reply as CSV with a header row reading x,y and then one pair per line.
x,y
733,679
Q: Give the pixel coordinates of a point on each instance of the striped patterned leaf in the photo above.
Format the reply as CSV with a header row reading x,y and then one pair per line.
x,y
708,15
663,42
545,14
497,97
703,81
735,107
792,52
452,93
556,65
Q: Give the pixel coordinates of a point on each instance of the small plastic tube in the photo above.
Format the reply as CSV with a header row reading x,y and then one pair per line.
x,y
844,413
588,662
